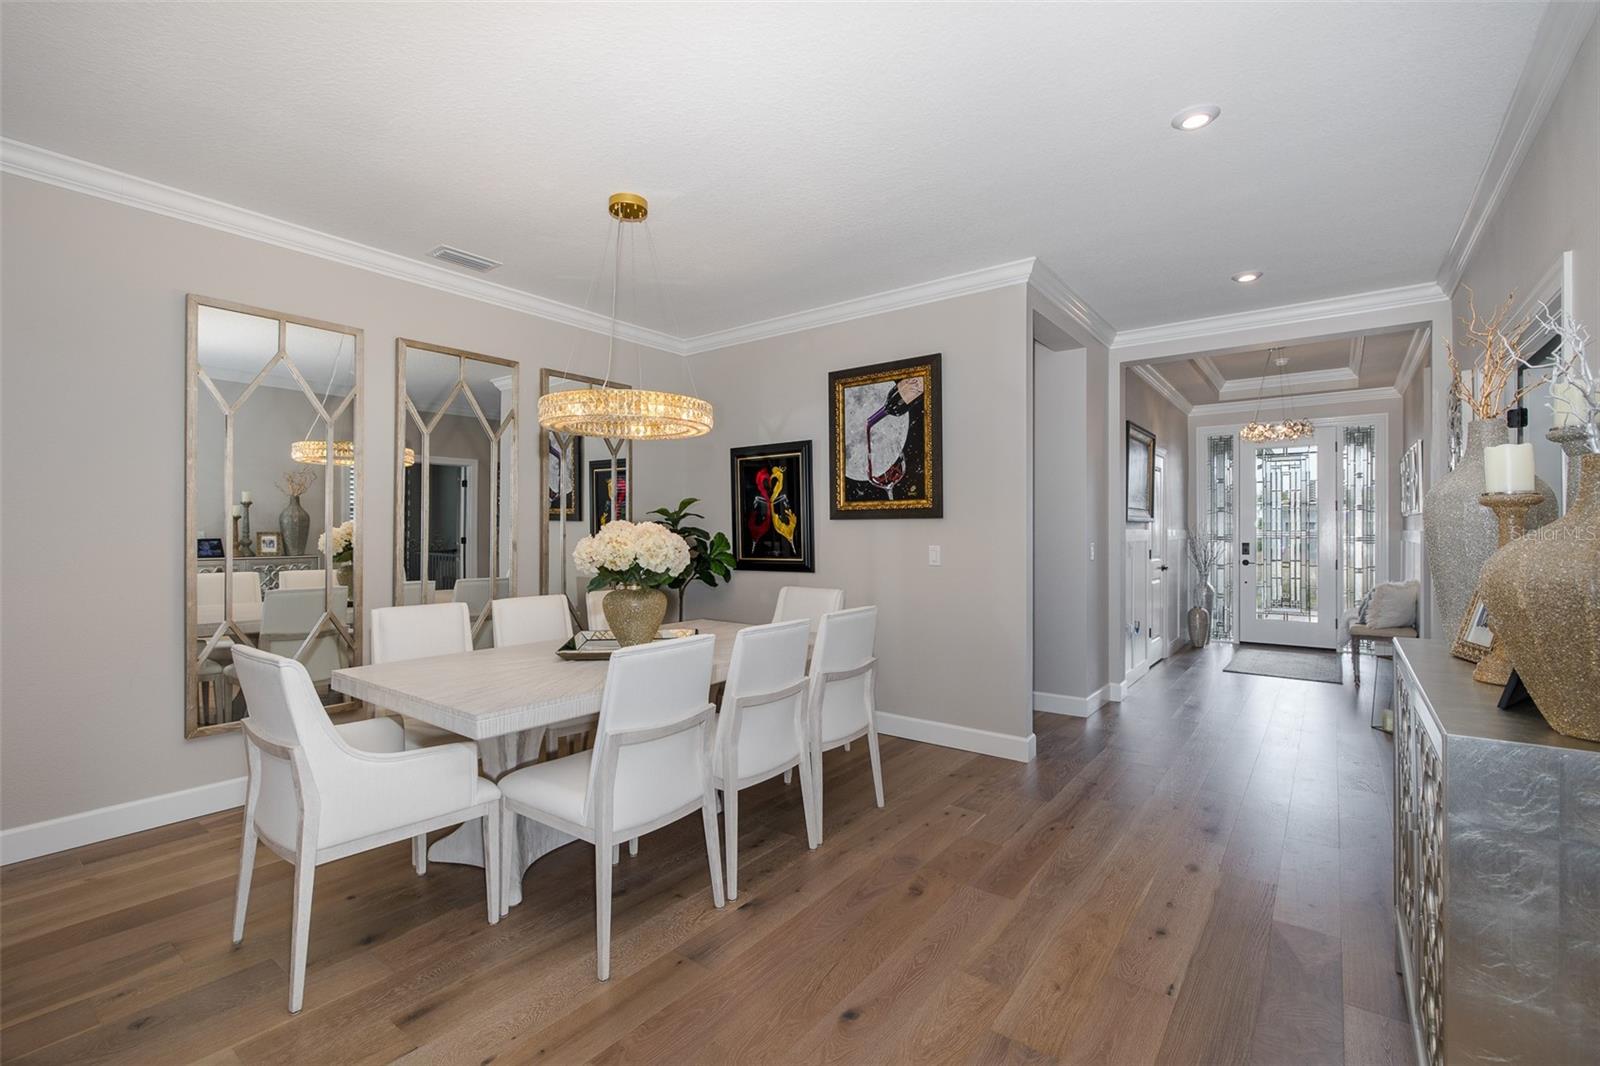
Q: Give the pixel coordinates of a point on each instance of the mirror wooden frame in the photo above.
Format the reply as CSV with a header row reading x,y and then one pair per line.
x,y
403,410
545,376
353,633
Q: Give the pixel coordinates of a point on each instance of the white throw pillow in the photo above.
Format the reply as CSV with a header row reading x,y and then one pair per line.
x,y
1394,605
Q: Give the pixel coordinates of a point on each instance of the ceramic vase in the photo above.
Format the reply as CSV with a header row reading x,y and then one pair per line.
x,y
294,526
1543,595
1460,533
1199,627
634,615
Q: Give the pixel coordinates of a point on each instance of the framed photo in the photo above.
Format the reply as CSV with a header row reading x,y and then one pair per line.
x,y
600,492
1141,477
567,472
268,543
1411,479
885,441
772,507
1474,639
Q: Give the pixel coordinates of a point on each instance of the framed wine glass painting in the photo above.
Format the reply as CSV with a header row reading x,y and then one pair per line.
x,y
884,441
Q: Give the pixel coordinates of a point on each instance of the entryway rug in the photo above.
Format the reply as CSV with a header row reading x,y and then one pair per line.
x,y
1302,664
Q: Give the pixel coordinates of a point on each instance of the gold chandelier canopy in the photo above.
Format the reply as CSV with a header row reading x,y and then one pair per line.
x,y
1288,427
315,453
621,413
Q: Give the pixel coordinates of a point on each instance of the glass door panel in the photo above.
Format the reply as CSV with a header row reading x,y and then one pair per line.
x,y
1288,591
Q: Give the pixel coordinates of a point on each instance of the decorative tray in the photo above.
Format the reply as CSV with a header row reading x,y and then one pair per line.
x,y
589,644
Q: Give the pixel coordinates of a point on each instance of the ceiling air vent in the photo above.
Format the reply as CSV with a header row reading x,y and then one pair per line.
x,y
464,259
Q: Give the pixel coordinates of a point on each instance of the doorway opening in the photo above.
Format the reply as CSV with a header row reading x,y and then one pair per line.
x,y
452,520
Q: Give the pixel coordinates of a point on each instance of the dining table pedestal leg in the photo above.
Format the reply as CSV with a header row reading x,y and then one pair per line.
x,y
464,846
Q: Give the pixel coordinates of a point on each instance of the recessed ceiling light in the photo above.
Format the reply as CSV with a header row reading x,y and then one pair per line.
x,y
1245,277
1196,118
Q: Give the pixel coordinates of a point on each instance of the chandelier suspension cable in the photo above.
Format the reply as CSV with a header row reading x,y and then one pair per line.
x,y
338,356
588,297
616,285
1261,386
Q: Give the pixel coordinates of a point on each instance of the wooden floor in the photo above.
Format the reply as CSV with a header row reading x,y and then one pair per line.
x,y
1198,875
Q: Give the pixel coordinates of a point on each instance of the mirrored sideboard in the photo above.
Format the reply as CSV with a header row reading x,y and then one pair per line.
x,y
1496,871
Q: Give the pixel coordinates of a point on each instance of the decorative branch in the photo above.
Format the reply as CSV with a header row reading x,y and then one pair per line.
x,y
296,482
1483,387
1205,554
1571,373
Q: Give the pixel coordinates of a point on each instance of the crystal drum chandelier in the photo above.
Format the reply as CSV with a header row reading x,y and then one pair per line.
x,y
617,413
1287,427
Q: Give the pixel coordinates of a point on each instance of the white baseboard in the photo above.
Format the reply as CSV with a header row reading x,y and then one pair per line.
x,y
965,738
1177,645
135,816
1076,706
1116,691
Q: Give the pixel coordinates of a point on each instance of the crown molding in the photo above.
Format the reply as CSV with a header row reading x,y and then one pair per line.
x,y
1208,368
1315,399
1153,377
1555,45
1358,351
1219,331
53,168
984,279
1421,339
1338,377
1049,285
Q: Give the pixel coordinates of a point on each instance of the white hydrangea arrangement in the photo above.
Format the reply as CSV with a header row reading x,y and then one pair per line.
x,y
631,555
343,536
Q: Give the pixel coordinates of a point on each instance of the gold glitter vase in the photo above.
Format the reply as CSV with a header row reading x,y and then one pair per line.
x,y
1543,594
634,615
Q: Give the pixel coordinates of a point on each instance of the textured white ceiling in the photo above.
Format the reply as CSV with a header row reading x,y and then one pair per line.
x,y
1381,356
797,155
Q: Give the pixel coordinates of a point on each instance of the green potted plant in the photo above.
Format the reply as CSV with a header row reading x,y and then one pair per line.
x,y
710,555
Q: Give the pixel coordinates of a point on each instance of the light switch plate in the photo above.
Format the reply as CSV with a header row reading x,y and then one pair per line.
x,y
935,555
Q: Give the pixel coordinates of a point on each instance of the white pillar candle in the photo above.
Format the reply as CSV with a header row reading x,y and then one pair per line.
x,y
1567,405
244,497
1508,468
238,511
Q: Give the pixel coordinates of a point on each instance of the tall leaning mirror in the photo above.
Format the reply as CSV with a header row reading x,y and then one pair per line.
x,y
273,495
455,479
583,482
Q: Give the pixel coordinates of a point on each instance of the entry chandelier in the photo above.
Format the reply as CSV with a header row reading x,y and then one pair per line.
x,y
622,413
1287,427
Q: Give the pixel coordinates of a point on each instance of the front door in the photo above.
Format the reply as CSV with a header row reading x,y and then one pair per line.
x,y
1288,590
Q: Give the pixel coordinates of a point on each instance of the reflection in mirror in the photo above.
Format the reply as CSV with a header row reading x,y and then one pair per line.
x,y
583,482
273,480
455,479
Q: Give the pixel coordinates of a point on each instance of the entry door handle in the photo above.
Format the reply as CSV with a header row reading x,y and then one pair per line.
x,y
1244,562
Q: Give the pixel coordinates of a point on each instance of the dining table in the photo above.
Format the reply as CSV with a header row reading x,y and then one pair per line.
x,y
503,699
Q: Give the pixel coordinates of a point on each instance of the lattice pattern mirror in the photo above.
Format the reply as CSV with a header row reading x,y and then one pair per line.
x,y
583,482
273,498
455,479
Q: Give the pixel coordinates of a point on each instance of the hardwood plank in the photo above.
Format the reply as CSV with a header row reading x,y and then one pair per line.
x,y
1214,1017
1301,1015
1376,1040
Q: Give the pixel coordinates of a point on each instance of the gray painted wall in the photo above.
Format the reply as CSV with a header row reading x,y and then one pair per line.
x,y
91,622
954,640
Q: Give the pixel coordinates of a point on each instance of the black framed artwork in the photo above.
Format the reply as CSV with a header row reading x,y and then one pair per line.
x,y
1141,476
772,526
885,440
566,474
600,492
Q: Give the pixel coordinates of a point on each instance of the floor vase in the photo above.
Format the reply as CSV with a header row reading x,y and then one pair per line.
x,y
1543,595
1460,533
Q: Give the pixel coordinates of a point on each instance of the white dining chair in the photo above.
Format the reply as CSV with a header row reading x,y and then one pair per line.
x,y
650,766
246,597
841,703
417,632
319,792
805,601
534,620
306,579
761,730
287,618
411,593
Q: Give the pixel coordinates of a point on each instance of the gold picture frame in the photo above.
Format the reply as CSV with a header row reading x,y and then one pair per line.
x,y
911,483
1474,638
268,543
